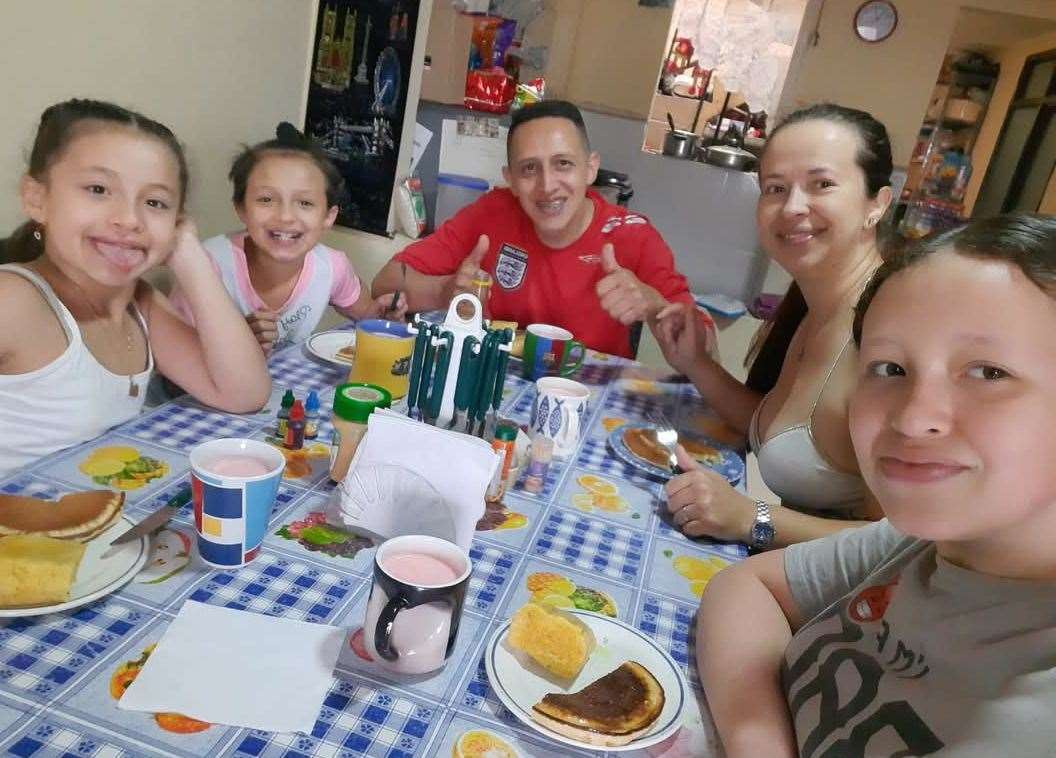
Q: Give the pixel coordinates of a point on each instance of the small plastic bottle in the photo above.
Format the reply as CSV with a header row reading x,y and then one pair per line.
x,y
311,416
294,439
283,415
503,444
539,463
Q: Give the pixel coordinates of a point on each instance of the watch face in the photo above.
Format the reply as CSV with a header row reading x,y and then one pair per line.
x,y
762,533
876,20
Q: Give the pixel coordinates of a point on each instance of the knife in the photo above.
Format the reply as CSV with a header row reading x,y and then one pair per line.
x,y
156,520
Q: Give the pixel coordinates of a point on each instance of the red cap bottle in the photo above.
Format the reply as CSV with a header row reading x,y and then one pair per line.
x,y
294,439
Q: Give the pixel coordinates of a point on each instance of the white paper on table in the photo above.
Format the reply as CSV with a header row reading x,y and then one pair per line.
x,y
411,478
422,137
239,668
470,155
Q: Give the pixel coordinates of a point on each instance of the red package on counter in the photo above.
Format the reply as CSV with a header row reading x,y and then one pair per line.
x,y
489,90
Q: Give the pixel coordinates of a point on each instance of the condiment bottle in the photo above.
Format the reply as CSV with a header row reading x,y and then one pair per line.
x,y
503,444
294,439
353,404
283,415
538,463
311,416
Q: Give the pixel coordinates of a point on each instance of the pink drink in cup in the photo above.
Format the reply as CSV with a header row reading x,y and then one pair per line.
x,y
415,603
237,465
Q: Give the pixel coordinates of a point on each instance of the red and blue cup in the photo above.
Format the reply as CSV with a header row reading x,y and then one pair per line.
x,y
550,351
233,487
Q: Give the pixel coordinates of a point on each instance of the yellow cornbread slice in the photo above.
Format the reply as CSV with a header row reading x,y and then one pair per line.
x,y
35,569
559,642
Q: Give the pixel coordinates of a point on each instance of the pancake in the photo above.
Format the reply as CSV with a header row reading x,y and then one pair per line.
x,y
703,452
642,443
78,516
609,712
347,354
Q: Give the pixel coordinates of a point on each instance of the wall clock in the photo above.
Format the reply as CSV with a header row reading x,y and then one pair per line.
x,y
875,20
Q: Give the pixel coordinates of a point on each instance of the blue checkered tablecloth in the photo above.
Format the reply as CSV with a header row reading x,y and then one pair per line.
x,y
57,671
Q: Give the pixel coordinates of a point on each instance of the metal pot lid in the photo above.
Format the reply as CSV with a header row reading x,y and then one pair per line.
x,y
731,151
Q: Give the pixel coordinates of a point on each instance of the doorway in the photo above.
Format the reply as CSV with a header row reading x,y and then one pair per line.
x,y
1021,170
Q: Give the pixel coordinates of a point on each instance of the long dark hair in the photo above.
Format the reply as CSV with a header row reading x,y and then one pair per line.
x,y
59,125
288,141
874,159
1024,240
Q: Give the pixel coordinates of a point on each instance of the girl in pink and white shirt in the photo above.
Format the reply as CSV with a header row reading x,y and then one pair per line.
x,y
280,276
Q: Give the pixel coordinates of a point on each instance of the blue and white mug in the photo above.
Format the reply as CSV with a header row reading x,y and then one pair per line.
x,y
559,412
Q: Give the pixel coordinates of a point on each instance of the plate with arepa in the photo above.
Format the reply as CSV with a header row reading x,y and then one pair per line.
x,y
52,553
336,347
621,660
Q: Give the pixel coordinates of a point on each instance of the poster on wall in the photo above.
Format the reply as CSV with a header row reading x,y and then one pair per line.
x,y
357,97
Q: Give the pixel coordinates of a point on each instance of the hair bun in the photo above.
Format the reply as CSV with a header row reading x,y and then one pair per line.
x,y
288,133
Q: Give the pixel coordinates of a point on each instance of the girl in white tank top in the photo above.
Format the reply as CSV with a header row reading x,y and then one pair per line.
x,y
104,191
74,387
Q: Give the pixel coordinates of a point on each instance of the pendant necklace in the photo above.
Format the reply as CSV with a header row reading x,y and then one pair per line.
x,y
133,388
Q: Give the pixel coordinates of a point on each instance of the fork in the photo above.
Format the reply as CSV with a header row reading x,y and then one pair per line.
x,y
667,437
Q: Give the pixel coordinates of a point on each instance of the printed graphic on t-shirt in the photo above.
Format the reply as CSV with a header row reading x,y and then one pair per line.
x,y
618,221
511,267
289,326
833,687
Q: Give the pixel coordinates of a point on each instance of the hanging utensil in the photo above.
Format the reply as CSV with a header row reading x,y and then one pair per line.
x,y
485,384
439,383
427,370
505,340
671,122
417,356
466,382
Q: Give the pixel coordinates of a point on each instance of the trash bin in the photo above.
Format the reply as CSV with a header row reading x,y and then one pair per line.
x,y
453,193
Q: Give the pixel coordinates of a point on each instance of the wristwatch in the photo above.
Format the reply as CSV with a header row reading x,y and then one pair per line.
x,y
762,535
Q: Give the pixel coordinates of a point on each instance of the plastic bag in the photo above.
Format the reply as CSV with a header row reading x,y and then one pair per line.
x,y
489,90
529,92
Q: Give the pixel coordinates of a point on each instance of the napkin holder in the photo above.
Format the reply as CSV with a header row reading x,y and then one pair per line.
x,y
387,498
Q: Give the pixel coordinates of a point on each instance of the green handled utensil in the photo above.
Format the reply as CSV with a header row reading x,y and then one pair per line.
x,y
466,383
427,370
417,356
485,384
503,358
439,383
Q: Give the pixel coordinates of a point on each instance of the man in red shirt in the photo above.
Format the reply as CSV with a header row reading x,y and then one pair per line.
x,y
558,252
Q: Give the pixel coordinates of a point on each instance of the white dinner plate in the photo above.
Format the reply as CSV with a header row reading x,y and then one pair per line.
x,y
325,345
519,687
96,576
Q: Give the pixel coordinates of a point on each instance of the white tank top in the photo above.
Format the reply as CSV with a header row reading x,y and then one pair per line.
x,y
71,400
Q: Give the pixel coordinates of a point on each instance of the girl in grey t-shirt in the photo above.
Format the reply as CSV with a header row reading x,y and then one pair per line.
x,y
933,631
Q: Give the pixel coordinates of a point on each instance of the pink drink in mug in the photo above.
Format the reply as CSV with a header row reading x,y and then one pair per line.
x,y
415,603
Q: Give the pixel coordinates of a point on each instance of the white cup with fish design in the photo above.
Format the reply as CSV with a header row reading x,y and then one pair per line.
x,y
559,412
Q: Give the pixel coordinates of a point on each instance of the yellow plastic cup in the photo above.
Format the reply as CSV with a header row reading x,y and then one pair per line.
x,y
383,355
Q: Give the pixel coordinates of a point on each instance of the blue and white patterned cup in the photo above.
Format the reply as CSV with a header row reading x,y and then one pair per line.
x,y
559,412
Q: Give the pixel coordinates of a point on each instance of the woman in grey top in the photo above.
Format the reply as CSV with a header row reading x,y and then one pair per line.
x,y
934,630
